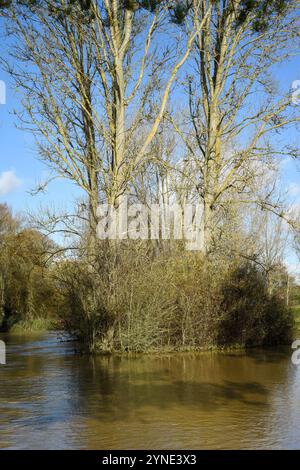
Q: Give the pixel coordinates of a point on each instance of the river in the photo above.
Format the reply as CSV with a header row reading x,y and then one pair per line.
x,y
52,398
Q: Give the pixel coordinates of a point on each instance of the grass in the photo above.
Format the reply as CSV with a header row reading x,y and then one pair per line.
x,y
296,313
34,325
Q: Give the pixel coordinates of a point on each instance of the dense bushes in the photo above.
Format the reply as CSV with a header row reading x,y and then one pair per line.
x,y
250,315
138,297
84,311
177,301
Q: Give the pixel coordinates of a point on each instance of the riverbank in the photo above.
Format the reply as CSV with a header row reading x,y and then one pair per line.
x,y
36,325
44,325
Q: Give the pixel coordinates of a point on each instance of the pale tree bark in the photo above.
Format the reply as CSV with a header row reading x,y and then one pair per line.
x,y
233,106
90,87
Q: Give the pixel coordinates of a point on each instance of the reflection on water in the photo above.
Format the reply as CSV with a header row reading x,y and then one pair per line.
x,y
52,398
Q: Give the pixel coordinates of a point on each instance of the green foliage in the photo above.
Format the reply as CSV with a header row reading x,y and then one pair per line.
x,y
34,325
250,315
295,309
5,3
262,10
178,9
28,3
279,322
26,285
132,5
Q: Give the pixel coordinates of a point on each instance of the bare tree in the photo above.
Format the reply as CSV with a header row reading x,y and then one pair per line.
x,y
234,105
92,79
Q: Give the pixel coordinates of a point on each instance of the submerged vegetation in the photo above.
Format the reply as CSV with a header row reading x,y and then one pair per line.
x,y
177,302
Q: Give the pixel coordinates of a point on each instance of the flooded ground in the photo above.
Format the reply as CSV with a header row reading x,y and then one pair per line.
x,y
51,398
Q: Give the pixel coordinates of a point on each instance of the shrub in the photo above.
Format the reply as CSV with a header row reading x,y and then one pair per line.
x,y
173,301
250,315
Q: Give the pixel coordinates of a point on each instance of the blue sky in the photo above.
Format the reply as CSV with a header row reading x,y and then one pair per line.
x,y
20,169
19,164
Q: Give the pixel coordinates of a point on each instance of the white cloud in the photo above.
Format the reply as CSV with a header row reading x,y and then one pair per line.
x,y
8,182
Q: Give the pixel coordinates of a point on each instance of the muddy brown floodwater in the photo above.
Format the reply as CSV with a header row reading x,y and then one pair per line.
x,y
51,398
